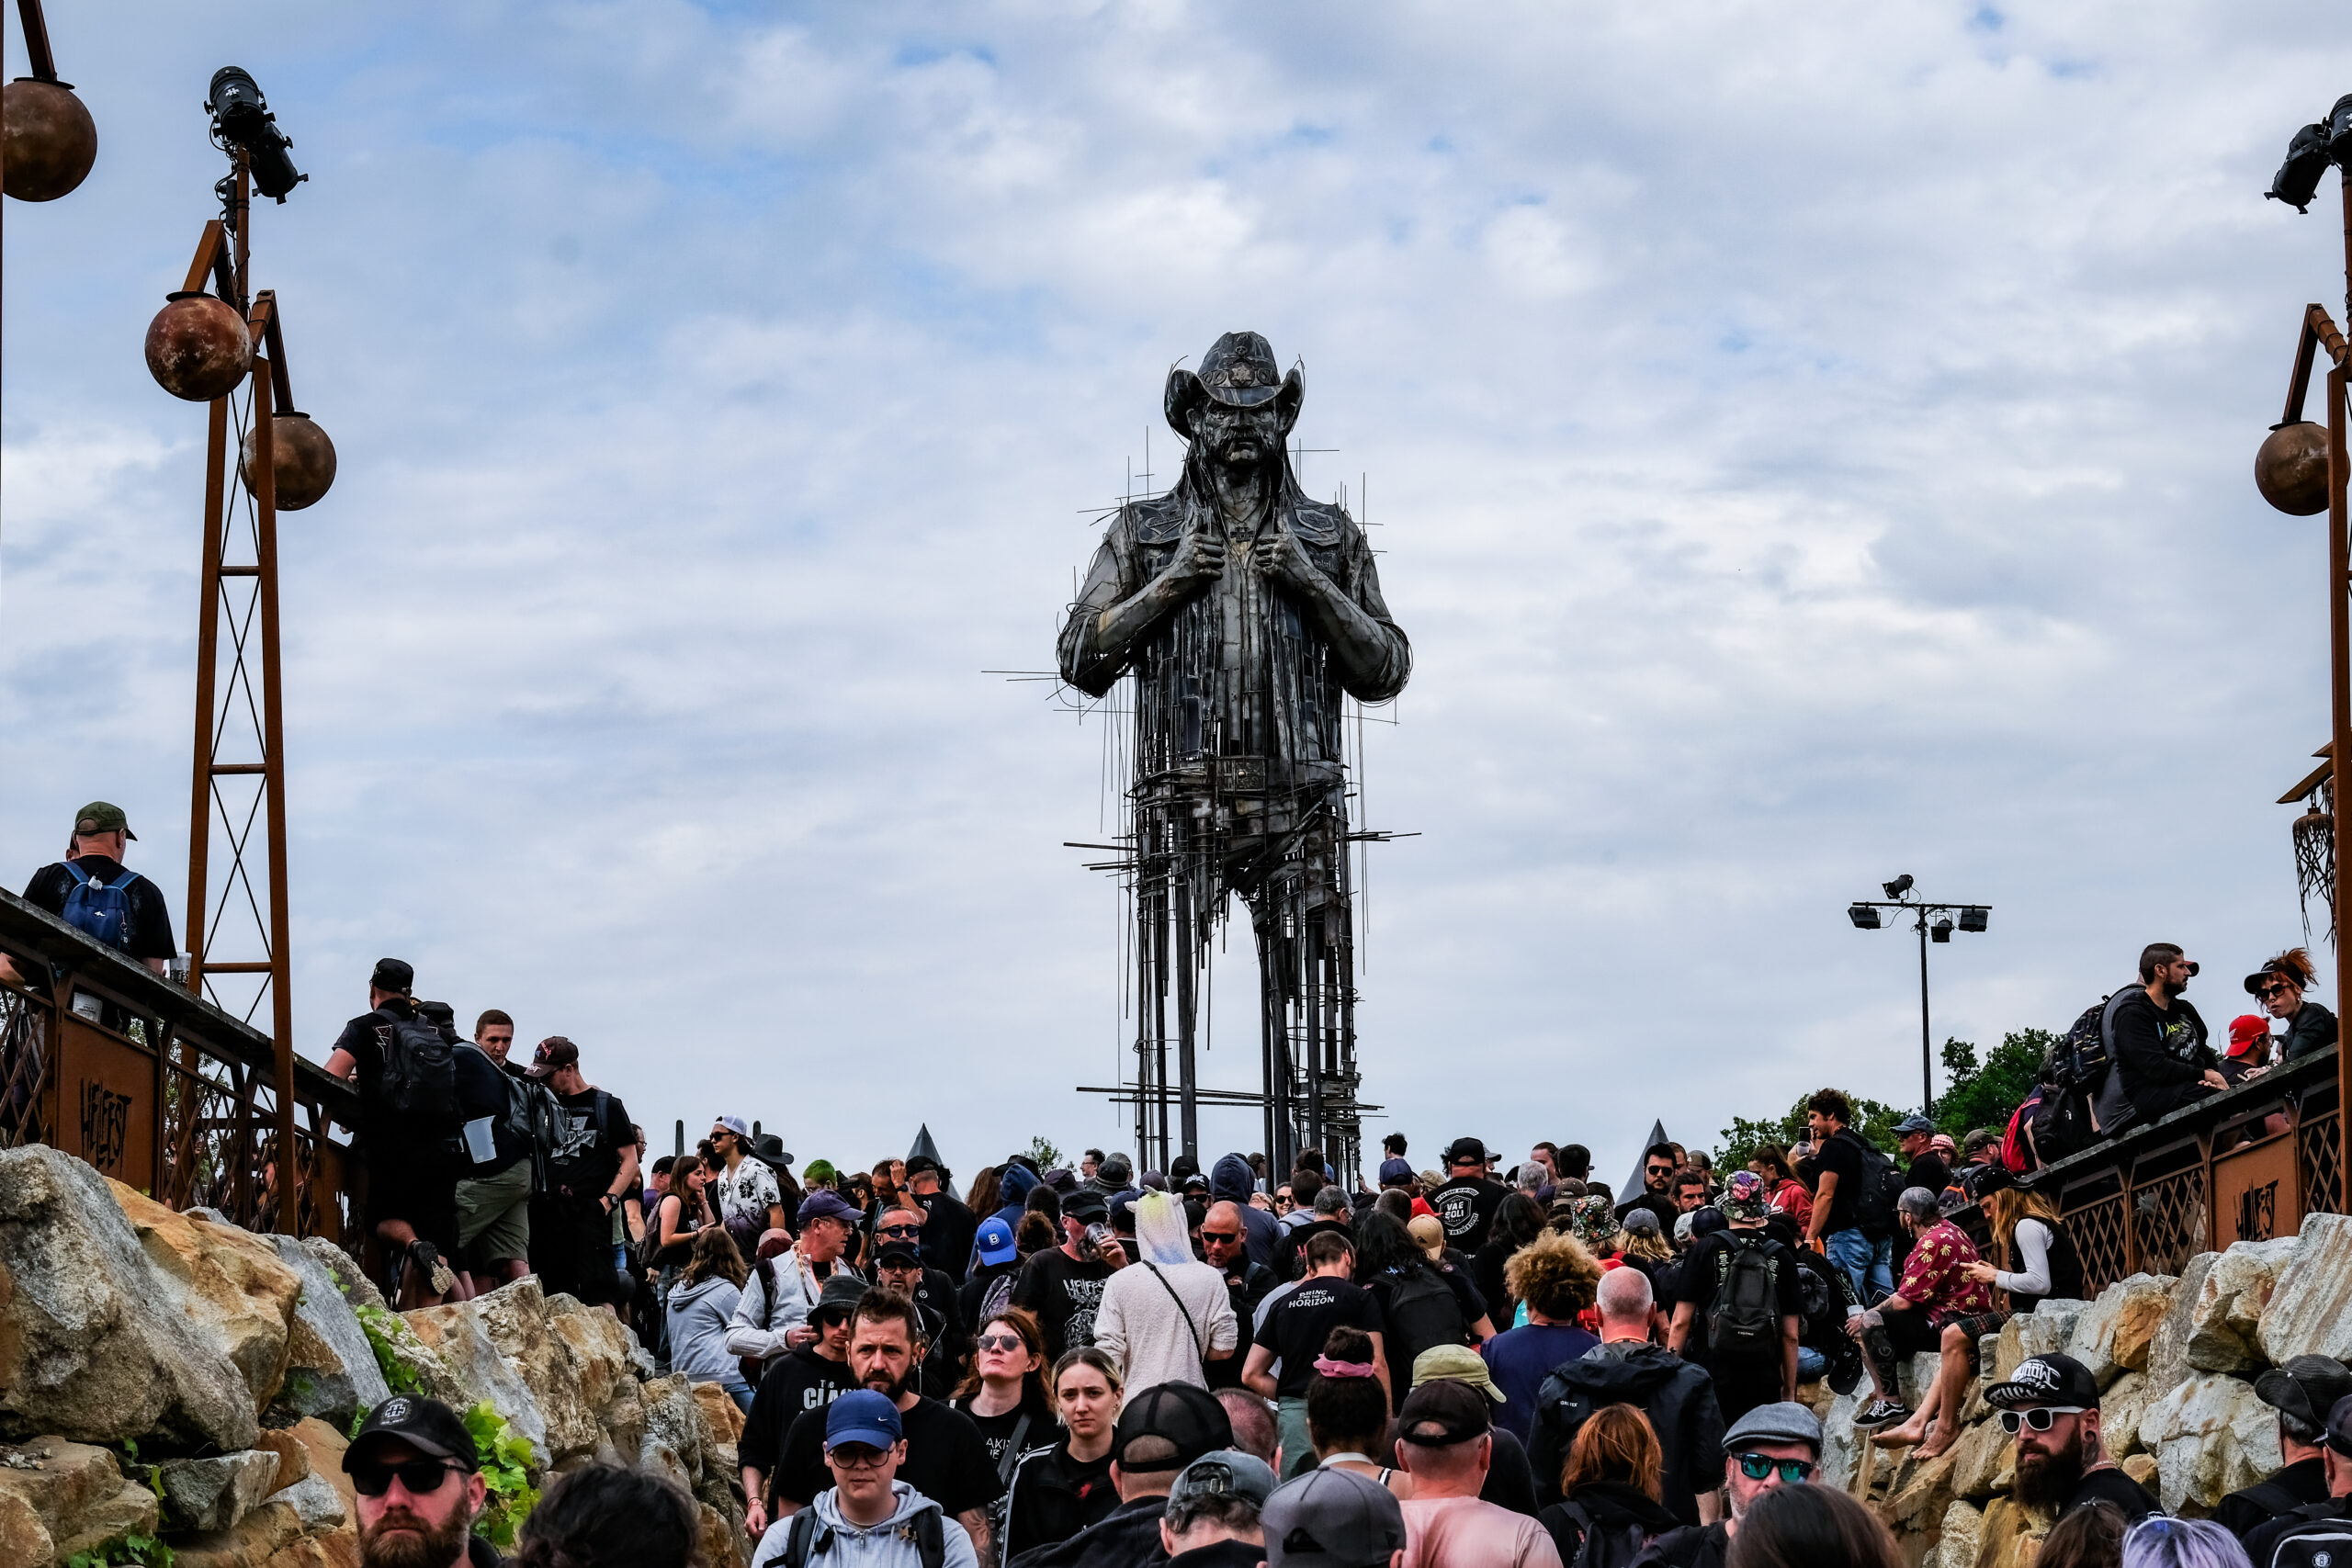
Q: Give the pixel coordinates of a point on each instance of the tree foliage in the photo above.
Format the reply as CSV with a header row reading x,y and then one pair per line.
x,y
1984,1094
1876,1121
1042,1150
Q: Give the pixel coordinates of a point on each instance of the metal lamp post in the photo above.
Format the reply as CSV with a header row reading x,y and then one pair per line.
x,y
1934,922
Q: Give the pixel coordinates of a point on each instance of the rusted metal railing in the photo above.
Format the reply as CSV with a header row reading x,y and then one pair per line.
x,y
2245,1165
162,1091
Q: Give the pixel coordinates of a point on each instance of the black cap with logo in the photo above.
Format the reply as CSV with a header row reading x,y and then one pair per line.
x,y
2046,1379
429,1426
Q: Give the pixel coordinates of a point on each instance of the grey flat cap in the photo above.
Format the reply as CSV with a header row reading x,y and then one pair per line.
x,y
1780,1423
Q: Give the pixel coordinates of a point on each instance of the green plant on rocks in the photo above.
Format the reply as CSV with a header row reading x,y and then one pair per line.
x,y
130,1552
504,1457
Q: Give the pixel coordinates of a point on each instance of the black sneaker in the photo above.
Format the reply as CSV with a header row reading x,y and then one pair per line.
x,y
1880,1413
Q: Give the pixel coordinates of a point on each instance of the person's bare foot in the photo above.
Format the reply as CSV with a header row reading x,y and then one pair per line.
x,y
1902,1437
1936,1446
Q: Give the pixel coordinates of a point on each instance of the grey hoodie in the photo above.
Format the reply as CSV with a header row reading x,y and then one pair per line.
x,y
876,1546
698,1316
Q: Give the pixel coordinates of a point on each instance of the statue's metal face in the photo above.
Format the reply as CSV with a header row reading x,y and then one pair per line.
x,y
1236,435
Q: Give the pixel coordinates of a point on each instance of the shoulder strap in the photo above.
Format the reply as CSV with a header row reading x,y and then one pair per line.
x,y
766,1267
75,872
1200,1351
797,1538
1012,1458
931,1534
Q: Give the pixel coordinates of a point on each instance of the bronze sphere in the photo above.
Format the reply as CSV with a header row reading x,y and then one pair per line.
x,y
300,456
2291,468
199,347
48,141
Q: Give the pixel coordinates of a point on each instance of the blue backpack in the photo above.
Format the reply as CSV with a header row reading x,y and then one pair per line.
x,y
99,911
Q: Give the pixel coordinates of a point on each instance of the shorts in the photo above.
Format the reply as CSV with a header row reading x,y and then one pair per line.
x,y
1290,1430
421,1189
1977,1326
494,1216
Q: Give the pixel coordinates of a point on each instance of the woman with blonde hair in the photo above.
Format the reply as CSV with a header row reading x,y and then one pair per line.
x,y
1167,1314
1058,1491
1610,1486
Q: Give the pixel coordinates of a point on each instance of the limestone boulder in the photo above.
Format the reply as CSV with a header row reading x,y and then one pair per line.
x,y
253,1542
325,1446
1981,1462
322,1548
94,1343
1915,1376
2141,1468
2168,1349
78,1493
672,1443
2011,1535
216,1494
1961,1537
2113,1333
600,1346
518,1317
331,1370
2310,1309
1841,1445
293,1457
2210,1436
723,1423
722,1539
622,1421
1920,1492
456,1332
229,1281
2225,1317
23,1538
315,1502
433,1375
2121,1409
351,1280
2045,1331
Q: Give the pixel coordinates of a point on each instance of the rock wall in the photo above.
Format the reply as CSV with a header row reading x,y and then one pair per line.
x,y
2176,1359
171,1375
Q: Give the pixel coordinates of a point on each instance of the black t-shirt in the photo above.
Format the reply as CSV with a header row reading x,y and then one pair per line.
x,y
147,923
1931,1172
1837,1156
948,1228
1706,1264
2299,1485
363,1041
596,1129
2111,1485
1464,1206
1657,1203
947,1460
1065,1295
996,1431
1299,1324
795,1382
482,1091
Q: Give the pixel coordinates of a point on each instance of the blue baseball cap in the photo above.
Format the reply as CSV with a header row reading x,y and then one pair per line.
x,y
1397,1171
825,1205
864,1417
995,1243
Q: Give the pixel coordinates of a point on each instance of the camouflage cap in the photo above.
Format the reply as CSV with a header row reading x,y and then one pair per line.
x,y
102,816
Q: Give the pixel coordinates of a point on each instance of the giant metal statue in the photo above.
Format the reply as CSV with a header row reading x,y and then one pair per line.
x,y
1243,610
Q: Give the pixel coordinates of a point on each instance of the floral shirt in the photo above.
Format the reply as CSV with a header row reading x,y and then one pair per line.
x,y
748,1188
1932,1280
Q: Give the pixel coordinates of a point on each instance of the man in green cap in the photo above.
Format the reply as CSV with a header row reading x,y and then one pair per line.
x,y
92,891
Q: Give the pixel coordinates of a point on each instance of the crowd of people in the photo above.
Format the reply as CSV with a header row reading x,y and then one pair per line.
x,y
1100,1366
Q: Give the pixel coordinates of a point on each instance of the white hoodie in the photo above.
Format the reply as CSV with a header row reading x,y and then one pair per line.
x,y
1164,1313
877,1546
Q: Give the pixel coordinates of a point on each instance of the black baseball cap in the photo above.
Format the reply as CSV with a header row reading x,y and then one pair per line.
x,y
918,1164
554,1054
2309,1388
1086,1205
429,1426
1465,1151
1440,1413
2046,1379
392,975
1167,1427
898,1255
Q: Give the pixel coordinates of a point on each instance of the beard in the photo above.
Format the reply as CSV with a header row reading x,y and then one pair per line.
x,y
2046,1480
891,1388
388,1543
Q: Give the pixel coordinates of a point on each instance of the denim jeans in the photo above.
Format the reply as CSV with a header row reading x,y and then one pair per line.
x,y
1869,1264
1812,1365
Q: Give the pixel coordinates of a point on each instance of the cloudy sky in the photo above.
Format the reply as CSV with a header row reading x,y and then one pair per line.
x,y
1806,444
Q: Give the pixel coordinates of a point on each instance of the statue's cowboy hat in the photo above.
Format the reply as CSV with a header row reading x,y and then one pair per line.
x,y
1238,371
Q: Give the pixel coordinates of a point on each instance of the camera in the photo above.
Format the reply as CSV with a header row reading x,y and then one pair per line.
x,y
241,117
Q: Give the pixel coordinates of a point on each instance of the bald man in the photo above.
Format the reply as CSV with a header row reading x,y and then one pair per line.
x,y
1224,1240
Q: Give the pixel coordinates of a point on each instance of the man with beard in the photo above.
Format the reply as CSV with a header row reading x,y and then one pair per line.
x,y
2158,1054
795,1382
415,1488
1772,1444
2050,1405
947,1460
2321,1530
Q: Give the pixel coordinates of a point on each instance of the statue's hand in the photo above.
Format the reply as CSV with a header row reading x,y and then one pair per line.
x,y
1284,559
1199,555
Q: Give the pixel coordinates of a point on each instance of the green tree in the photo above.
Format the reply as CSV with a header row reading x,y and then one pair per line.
x,y
1044,1153
1984,1094
1875,1118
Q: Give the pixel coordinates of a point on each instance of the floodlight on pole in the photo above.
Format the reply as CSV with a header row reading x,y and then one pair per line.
x,y
1933,922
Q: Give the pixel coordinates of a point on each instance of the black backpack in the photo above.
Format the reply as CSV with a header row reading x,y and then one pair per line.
x,y
2078,1062
1421,1314
532,1117
1744,1318
418,1082
1597,1547
1880,1184
807,1540
2324,1540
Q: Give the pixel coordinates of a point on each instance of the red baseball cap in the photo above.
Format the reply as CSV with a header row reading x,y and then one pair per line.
x,y
2244,1030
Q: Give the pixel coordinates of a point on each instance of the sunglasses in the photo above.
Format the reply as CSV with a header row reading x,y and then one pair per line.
x,y
1661,1170
420,1476
2273,991
1220,1235
1756,1467
903,1232
1001,1342
2041,1417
